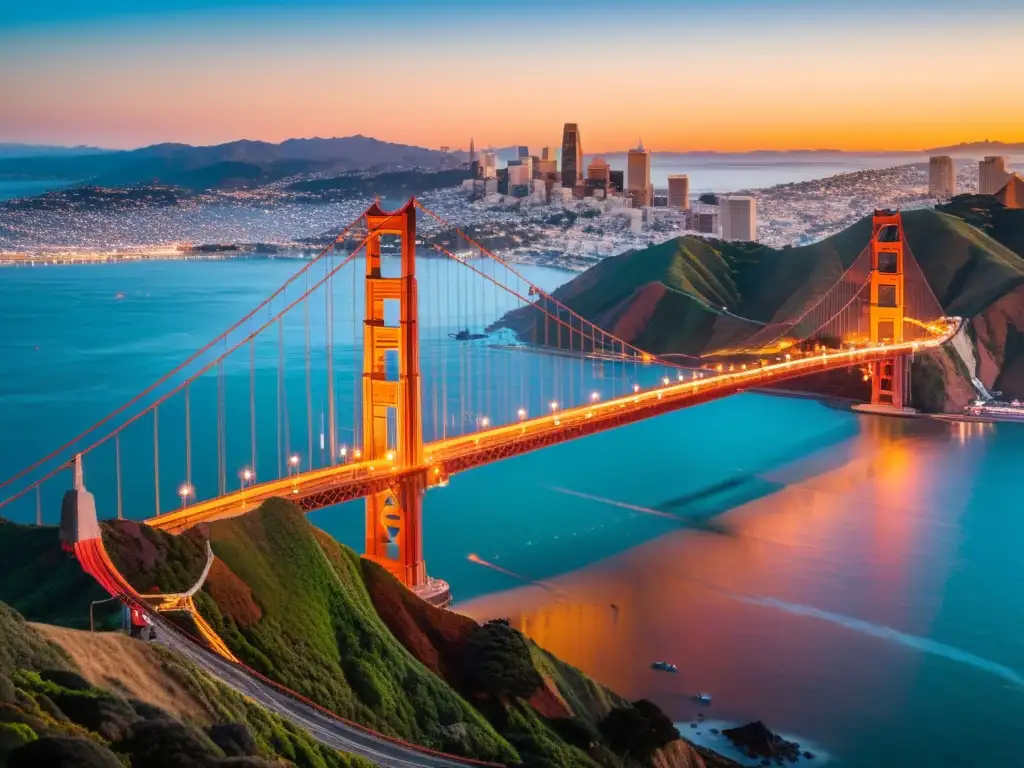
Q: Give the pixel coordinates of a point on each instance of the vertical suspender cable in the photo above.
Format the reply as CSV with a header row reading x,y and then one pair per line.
x,y
331,419
309,386
156,456
39,505
188,439
252,402
117,464
280,394
222,447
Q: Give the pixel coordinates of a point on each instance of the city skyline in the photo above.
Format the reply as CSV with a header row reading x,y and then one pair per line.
x,y
728,76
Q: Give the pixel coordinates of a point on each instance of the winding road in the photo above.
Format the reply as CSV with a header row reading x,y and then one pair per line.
x,y
325,729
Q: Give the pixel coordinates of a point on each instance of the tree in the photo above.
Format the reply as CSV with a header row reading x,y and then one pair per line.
x,y
662,727
498,662
629,733
637,731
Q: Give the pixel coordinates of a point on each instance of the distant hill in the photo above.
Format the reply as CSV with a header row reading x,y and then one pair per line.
x,y
235,164
696,297
41,150
979,148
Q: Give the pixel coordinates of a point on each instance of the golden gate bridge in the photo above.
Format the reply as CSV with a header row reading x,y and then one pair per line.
x,y
403,411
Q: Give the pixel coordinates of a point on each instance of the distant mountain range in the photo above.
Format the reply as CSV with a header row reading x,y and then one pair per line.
x,y
977,148
235,164
41,150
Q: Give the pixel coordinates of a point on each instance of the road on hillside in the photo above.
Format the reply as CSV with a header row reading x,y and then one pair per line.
x,y
326,730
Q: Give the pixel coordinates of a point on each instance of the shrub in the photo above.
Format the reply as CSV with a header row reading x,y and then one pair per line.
x,y
12,736
499,663
574,731
629,733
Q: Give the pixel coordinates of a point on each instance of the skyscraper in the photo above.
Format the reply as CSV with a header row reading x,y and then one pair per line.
x,y
522,151
679,191
474,161
639,176
992,175
738,216
941,177
572,156
489,166
545,154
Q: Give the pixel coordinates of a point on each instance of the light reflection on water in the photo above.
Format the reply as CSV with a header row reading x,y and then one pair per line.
x,y
822,606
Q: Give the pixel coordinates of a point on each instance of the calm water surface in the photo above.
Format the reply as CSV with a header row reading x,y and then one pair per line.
x,y
853,581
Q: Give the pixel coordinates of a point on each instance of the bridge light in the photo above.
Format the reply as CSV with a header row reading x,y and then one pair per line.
x,y
636,388
357,454
484,422
665,381
554,406
521,413
185,491
344,452
390,455
680,377
595,396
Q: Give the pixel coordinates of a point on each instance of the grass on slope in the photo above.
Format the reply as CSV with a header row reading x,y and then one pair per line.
x,y
46,584
153,560
966,269
319,634
46,703
23,647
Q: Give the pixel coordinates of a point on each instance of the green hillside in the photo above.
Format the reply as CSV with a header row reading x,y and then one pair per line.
x,y
670,297
50,714
46,584
293,606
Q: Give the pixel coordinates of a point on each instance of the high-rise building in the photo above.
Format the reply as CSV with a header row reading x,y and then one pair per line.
x,y
702,220
737,215
546,169
941,177
599,172
639,186
519,175
572,156
679,191
992,175
617,181
474,161
489,164
522,151
545,153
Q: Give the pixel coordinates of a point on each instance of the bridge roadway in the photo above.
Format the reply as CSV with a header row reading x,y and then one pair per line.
x,y
320,488
328,730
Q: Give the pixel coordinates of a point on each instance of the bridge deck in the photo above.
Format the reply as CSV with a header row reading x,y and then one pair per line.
x,y
324,487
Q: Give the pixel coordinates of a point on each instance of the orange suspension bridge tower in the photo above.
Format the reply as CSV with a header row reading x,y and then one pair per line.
x,y
890,379
394,517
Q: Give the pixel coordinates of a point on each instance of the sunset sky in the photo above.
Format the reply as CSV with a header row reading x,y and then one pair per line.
x,y
685,75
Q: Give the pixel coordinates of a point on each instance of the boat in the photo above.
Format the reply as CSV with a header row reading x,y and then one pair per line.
x,y
702,698
465,335
664,666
